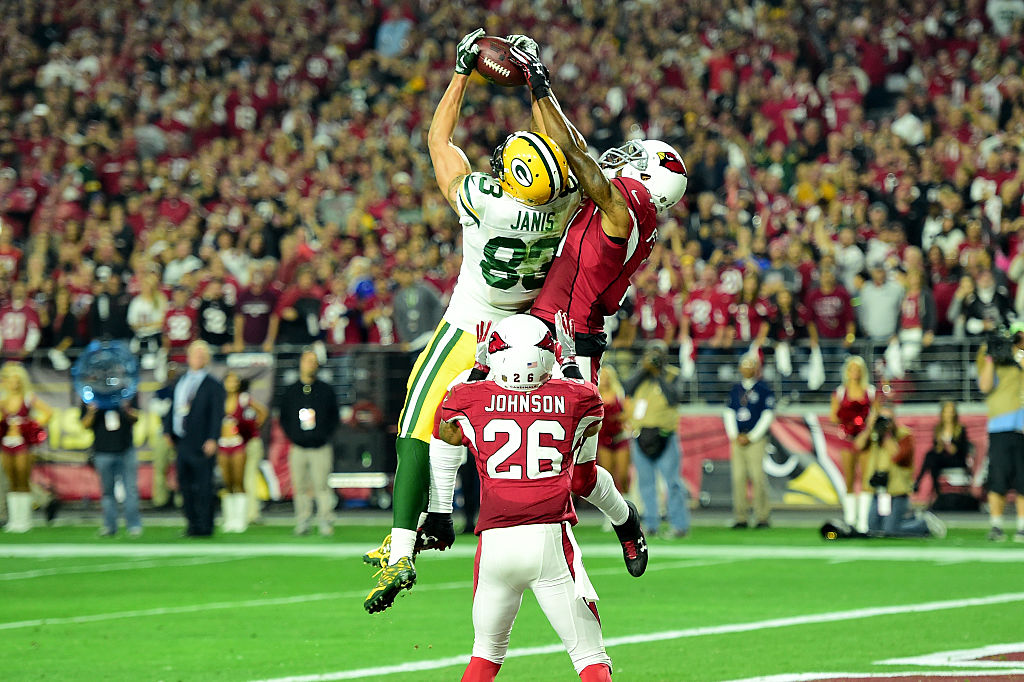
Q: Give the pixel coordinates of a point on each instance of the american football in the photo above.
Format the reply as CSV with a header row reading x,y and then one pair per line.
x,y
495,63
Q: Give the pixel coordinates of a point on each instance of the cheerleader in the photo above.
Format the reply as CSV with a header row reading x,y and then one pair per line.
x,y
613,439
851,404
22,418
242,421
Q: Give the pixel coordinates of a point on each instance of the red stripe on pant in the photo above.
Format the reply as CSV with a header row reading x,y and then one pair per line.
x,y
570,556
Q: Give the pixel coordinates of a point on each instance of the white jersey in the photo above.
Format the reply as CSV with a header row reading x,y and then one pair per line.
x,y
507,248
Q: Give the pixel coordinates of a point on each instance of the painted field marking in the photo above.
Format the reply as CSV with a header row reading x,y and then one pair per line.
x,y
769,624
914,552
106,568
964,658
917,674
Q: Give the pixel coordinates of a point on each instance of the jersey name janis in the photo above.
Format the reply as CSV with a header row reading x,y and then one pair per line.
x,y
507,249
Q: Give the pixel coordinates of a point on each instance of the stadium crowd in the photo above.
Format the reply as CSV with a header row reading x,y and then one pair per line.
x,y
256,172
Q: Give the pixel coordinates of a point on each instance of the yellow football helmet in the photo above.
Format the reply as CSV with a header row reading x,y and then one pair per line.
x,y
531,168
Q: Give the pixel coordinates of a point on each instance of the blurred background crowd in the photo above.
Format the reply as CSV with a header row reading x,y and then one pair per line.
x,y
255,172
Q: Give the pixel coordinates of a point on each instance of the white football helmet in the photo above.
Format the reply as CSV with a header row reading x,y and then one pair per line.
x,y
654,163
521,353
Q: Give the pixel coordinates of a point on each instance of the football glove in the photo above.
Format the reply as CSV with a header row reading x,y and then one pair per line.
x,y
565,335
524,43
483,330
537,76
467,52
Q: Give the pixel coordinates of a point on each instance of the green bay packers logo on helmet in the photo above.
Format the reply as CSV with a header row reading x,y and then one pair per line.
x,y
530,167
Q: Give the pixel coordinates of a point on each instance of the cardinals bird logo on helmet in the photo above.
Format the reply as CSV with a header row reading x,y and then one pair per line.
x,y
654,163
521,353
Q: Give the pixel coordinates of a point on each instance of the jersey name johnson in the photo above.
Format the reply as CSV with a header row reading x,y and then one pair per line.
x,y
524,455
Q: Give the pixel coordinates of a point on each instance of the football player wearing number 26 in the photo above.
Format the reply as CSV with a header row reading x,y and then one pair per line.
x,y
523,430
606,241
512,222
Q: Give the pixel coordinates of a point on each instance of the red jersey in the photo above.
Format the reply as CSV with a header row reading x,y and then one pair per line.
x,y
853,414
239,427
524,444
655,317
590,274
831,312
181,327
10,262
748,318
911,312
613,431
18,431
707,310
19,328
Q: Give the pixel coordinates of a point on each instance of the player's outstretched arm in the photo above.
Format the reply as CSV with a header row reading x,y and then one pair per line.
x,y
616,221
450,162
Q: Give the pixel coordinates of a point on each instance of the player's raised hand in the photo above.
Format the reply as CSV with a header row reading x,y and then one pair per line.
x,y
537,76
565,335
524,43
466,52
483,330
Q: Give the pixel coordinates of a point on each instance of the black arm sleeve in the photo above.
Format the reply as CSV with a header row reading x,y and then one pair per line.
x,y
476,374
571,370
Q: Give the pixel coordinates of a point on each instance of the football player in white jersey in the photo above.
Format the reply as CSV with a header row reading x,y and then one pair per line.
x,y
512,222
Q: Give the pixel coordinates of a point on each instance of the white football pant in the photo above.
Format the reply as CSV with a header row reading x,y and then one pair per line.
x,y
534,557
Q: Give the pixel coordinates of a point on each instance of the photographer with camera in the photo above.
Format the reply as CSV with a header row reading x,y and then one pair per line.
x,y
1001,379
889,473
654,389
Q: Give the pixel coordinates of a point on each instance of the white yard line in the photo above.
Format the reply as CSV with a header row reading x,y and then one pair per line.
x,y
812,677
106,568
772,623
913,551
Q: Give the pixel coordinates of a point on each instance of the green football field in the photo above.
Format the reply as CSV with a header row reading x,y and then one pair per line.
x,y
721,605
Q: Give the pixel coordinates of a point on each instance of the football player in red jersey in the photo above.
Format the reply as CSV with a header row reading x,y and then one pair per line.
x,y
523,430
607,240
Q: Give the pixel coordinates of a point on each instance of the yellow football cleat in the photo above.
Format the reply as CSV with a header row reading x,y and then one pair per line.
x,y
390,581
379,557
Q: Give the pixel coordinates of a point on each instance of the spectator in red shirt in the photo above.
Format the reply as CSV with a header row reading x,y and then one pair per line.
x,y
181,325
19,324
705,314
253,312
749,313
829,311
654,314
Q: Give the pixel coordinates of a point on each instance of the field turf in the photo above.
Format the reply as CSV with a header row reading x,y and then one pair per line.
x,y
720,605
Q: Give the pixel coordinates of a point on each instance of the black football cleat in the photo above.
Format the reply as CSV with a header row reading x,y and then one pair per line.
x,y
634,544
437,532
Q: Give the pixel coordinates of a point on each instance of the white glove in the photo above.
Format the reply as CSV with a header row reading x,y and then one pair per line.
x,y
483,331
524,43
565,335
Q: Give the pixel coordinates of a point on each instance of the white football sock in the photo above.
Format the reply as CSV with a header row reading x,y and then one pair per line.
x,y
863,509
1020,524
403,541
445,460
849,509
606,498
996,521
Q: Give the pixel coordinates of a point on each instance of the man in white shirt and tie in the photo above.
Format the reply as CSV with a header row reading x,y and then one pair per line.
x,y
193,424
